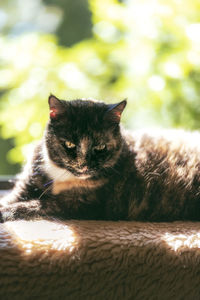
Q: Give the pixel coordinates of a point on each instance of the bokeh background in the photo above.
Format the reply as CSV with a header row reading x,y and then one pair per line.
x,y
145,50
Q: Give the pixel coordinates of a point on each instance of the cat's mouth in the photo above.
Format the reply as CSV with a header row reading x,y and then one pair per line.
x,y
83,173
83,176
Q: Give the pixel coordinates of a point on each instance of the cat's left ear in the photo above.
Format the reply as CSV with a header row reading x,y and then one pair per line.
x,y
115,110
55,106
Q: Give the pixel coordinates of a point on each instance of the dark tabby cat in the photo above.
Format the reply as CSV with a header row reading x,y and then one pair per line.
x,y
86,167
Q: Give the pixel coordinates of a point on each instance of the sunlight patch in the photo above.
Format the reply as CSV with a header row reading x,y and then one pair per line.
x,y
33,236
182,241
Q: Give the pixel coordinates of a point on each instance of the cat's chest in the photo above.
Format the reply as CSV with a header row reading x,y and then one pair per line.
x,y
76,185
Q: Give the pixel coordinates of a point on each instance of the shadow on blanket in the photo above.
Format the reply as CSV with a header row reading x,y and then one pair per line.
x,y
99,260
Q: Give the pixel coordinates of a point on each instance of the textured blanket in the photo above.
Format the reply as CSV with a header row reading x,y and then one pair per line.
x,y
99,260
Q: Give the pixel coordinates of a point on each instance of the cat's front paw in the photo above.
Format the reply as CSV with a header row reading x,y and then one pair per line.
x,y
5,215
1,218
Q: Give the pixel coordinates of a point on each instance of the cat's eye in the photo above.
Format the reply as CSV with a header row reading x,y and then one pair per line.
x,y
99,148
70,145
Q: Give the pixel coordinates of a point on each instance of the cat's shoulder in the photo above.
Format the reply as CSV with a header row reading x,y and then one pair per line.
x,y
163,138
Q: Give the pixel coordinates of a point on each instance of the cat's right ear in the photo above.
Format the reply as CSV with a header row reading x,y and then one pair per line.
x,y
55,106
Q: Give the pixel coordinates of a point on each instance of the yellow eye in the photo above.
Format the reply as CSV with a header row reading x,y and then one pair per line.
x,y
100,147
70,145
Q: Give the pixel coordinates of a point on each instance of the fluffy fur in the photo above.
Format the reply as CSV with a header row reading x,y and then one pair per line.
x,y
86,167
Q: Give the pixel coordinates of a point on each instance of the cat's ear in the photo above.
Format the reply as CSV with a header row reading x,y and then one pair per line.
x,y
56,107
114,111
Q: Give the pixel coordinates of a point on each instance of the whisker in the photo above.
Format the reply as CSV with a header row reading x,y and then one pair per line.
x,y
50,184
65,171
106,170
47,189
117,172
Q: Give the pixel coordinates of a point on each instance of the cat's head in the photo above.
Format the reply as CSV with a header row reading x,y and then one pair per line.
x,y
83,136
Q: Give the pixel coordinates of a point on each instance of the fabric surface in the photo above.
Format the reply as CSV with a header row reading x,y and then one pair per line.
x,y
99,260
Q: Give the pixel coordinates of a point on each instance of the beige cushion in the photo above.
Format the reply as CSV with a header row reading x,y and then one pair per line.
x,y
99,260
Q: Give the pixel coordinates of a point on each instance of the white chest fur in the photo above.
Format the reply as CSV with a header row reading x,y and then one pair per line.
x,y
54,172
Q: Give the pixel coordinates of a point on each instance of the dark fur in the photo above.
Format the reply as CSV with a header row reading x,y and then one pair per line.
x,y
141,177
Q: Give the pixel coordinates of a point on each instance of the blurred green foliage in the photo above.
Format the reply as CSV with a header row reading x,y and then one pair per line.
x,y
76,23
147,51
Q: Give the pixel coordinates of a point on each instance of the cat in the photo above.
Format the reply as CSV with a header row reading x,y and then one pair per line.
x,y
88,167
